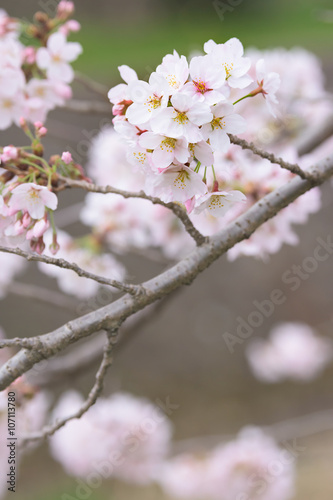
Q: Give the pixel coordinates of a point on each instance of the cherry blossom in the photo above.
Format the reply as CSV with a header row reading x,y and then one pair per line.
x,y
132,433
175,70
56,56
218,203
182,119
292,350
207,80
229,55
165,149
177,182
224,121
33,199
148,99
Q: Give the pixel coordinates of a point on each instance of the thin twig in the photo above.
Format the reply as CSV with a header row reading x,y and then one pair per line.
x,y
183,273
89,402
177,209
292,167
132,289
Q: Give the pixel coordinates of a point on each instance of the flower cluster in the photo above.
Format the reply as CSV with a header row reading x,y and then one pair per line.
x,y
251,466
27,190
291,351
34,78
177,123
133,438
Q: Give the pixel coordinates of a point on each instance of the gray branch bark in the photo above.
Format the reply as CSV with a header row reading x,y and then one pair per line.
x,y
184,272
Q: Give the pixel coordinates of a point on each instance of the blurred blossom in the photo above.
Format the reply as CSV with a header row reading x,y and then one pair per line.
x,y
292,350
250,467
121,436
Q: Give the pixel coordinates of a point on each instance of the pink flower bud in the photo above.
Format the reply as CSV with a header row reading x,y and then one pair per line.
x,y
66,157
29,55
65,8
26,220
9,153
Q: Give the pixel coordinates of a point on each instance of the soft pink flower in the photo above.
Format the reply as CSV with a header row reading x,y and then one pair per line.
x,y
66,157
56,56
32,198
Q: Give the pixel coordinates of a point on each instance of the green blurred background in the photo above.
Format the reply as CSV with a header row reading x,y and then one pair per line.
x,y
216,393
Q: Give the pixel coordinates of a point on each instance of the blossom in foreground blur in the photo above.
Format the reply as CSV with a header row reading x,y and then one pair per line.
x,y
10,266
121,436
292,350
250,467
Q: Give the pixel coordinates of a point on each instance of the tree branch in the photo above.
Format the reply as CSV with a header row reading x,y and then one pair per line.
x,y
183,273
63,264
91,399
295,169
177,209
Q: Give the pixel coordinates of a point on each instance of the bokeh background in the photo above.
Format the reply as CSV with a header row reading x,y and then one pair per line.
x,y
181,353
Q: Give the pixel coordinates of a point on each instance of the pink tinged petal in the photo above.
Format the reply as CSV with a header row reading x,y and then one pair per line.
x,y
199,115
165,124
219,140
234,124
181,102
209,46
43,58
127,74
56,43
61,71
204,153
117,93
181,151
139,91
162,158
240,83
137,114
191,132
235,45
72,51
50,199
149,140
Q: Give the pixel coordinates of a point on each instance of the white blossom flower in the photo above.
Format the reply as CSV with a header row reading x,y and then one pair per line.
x,y
218,203
174,69
165,149
182,119
177,183
225,121
230,56
32,198
55,57
207,79
148,99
